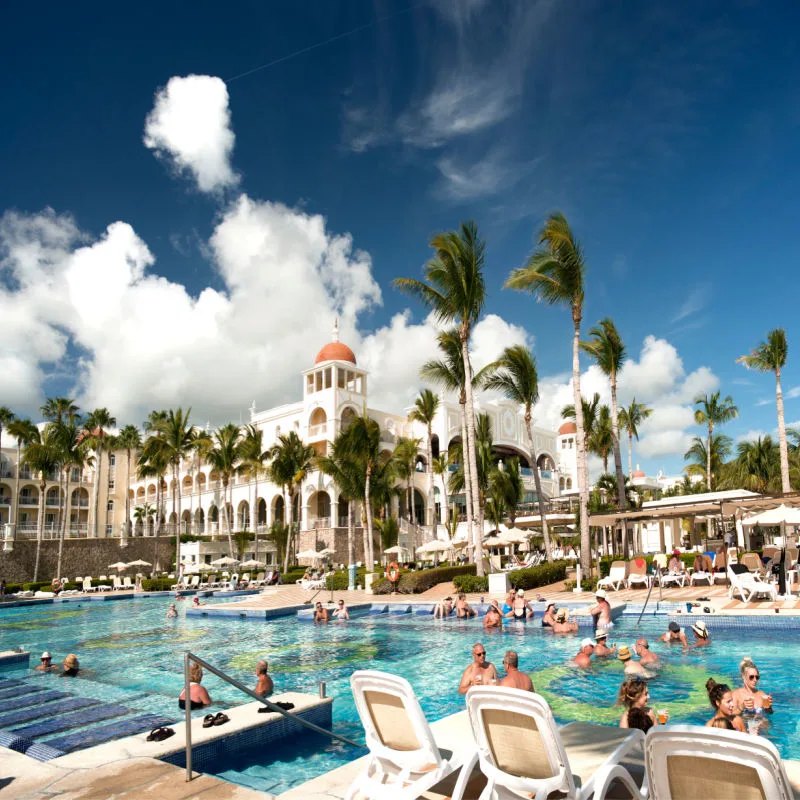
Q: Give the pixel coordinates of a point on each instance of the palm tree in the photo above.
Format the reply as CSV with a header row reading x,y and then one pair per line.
x,y
555,274
129,439
57,409
601,440
758,464
455,290
700,455
484,443
154,463
441,466
42,456
506,486
711,412
24,431
405,458
143,514
426,405
95,425
630,419
251,463
6,418
222,454
517,378
591,412
362,444
770,356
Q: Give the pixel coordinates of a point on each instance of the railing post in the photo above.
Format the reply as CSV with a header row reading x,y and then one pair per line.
x,y
188,706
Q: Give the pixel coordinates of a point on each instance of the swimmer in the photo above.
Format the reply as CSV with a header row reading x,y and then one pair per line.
x,y
463,608
700,631
522,608
674,635
602,611
584,657
631,667
601,648
634,694
341,612
444,609
721,699
562,623
750,697
549,618
493,618
480,672
172,611
514,678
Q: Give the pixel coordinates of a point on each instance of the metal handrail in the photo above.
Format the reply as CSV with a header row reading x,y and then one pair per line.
x,y
189,657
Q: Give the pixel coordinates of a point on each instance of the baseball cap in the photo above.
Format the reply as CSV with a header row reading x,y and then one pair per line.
x,y
587,643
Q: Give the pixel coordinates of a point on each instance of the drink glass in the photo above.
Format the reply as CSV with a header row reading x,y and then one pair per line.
x,y
753,724
663,716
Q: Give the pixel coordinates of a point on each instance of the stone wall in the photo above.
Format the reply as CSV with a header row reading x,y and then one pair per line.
x,y
81,557
334,538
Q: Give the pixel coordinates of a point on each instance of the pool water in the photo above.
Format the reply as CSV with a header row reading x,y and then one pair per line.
x,y
129,651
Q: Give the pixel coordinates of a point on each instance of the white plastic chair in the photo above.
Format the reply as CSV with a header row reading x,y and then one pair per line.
x,y
87,585
615,578
748,585
523,753
687,762
126,583
404,760
118,587
637,573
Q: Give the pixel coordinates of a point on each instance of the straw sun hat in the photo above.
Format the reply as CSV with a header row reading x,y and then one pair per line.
x,y
71,661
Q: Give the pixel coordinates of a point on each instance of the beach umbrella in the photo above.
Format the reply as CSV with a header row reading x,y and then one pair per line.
x,y
120,565
225,561
460,544
139,563
313,554
435,546
396,550
326,552
205,568
252,563
516,536
782,515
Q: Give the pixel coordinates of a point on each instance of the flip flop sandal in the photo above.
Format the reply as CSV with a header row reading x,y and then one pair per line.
x,y
221,719
208,720
160,734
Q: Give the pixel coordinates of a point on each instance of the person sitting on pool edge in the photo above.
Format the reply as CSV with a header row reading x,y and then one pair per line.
x,y
721,699
493,618
46,663
601,648
750,697
634,694
674,635
562,625
198,696
549,618
463,608
320,613
265,686
480,672
602,611
514,678
584,657
702,639
444,609
71,667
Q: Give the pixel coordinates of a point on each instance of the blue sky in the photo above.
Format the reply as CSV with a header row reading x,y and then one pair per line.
x,y
274,198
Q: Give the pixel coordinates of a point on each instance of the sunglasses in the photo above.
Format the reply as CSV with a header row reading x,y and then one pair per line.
x,y
754,677
481,653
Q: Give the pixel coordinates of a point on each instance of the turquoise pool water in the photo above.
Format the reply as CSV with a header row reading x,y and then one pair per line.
x,y
131,653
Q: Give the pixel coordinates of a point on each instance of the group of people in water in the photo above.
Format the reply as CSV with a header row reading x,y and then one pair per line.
x,y
70,667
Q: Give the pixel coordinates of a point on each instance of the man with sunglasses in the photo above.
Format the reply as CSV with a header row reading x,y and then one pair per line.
x,y
480,672
46,663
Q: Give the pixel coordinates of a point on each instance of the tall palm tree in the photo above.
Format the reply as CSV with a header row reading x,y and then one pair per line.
x,y
222,454
362,444
591,412
770,356
700,455
758,464
555,274
426,405
252,457
506,486
517,378
58,409
154,463
630,418
405,457
601,441
96,426
6,418
608,351
129,440
455,290
42,456
24,431
712,411
441,466
484,452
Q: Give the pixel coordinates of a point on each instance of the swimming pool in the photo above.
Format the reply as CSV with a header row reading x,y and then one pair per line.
x,y
131,653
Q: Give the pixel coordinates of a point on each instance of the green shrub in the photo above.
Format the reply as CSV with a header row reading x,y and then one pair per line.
x,y
471,583
293,575
38,586
543,575
13,588
421,581
158,584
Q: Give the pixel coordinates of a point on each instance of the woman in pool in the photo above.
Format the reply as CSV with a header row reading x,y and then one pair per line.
x,y
71,667
493,618
633,694
508,603
198,696
721,698
750,697
522,608
549,618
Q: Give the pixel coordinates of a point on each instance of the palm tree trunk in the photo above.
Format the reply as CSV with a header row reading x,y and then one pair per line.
x,y
630,453
446,509
60,500
40,529
785,485
708,459
255,511
368,500
96,523
351,554
465,466
287,518
63,525
472,454
622,500
538,481
227,515
583,465
128,497
14,507
431,506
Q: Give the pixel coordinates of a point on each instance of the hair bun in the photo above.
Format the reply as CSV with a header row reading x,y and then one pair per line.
x,y
710,684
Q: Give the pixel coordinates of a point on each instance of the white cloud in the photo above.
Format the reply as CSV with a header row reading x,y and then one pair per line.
x,y
694,302
465,180
190,127
792,393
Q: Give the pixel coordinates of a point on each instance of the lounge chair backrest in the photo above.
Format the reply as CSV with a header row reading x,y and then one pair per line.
x,y
117,581
246,577
684,761
752,561
618,568
639,568
517,736
770,552
87,584
393,720
660,560
126,581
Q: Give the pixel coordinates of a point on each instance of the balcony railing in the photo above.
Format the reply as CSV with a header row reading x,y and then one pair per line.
x,y
322,522
52,501
28,500
316,431
5,500
6,472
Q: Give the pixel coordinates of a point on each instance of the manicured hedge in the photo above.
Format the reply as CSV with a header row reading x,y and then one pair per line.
x,y
158,584
543,575
422,580
471,583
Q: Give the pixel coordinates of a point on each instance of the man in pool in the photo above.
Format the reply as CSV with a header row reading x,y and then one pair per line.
x,y
674,635
172,611
602,611
642,649
493,618
480,672
631,667
46,663
562,623
584,657
514,678
601,648
320,613
264,687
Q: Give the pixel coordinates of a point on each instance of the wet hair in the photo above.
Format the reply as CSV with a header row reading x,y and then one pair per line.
x,y
639,718
716,691
261,668
746,664
195,672
511,659
631,691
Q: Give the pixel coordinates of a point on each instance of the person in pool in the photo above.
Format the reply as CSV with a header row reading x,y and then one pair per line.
x,y
702,639
522,610
172,611
549,618
584,657
632,668
601,611
514,678
463,608
198,696
320,613
264,686
674,635
46,663
341,612
196,602
480,672
562,623
601,648
71,667
750,697
444,609
634,694
721,698
642,649
493,618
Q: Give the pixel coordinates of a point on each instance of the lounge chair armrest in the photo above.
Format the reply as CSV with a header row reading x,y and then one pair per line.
x,y
468,764
609,773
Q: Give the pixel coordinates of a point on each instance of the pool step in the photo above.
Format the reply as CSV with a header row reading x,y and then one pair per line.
x,y
63,722
18,691
116,730
27,700
31,713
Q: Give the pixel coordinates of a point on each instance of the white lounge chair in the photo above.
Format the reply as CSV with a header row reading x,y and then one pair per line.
x,y
666,578
126,583
687,762
404,760
523,753
615,578
118,585
87,585
637,573
747,586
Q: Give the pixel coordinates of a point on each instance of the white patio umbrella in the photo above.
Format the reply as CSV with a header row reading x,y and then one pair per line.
x,y
326,552
120,565
516,536
782,515
252,563
313,554
494,541
458,544
396,550
205,568
434,546
139,563
225,561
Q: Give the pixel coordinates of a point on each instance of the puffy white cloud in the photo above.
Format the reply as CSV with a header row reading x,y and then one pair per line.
x,y
190,127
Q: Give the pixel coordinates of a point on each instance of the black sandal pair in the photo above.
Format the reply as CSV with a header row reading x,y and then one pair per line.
x,y
159,734
215,719
284,706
